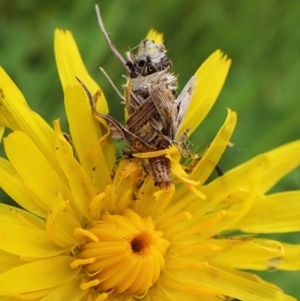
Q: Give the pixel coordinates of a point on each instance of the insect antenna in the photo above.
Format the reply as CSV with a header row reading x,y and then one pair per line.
x,y
107,38
112,84
89,95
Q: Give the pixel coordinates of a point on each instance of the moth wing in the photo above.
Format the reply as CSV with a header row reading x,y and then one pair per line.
x,y
141,115
165,104
183,101
132,140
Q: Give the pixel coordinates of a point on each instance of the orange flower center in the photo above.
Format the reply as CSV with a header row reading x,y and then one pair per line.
x,y
124,253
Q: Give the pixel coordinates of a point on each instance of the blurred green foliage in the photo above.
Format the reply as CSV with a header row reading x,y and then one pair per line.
x,y
261,37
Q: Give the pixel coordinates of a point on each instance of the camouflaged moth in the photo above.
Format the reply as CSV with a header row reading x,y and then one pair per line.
x,y
155,112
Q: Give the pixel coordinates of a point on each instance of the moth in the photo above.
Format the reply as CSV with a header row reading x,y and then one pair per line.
x,y
155,112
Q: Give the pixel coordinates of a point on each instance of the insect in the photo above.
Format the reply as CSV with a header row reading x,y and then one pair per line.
x,y
155,112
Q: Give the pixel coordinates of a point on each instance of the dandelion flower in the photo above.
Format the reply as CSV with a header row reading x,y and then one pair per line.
x,y
91,228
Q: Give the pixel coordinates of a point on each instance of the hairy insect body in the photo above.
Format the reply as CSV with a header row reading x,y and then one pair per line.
x,y
150,58
140,87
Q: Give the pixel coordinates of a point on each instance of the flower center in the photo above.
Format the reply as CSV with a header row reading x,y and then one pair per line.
x,y
126,254
141,242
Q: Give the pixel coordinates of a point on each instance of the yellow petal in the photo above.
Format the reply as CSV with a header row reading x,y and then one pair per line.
x,y
69,291
16,115
225,193
70,65
180,173
34,169
212,156
276,213
210,78
29,296
80,185
122,185
86,133
32,241
13,185
9,261
39,275
154,35
253,277
241,288
291,259
284,159
236,178
61,223
23,216
247,253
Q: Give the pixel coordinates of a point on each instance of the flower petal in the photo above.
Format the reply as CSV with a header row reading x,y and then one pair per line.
x,y
9,261
276,213
156,36
224,195
236,178
86,133
212,156
16,115
69,291
248,253
81,186
284,159
15,187
291,259
34,169
33,242
210,78
41,274
70,66
61,223
241,288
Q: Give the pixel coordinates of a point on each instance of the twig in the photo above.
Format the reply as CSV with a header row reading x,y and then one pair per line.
x,y
107,38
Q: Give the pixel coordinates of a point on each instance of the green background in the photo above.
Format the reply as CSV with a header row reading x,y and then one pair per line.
x,y
261,37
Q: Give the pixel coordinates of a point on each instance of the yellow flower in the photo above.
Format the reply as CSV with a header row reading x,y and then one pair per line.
x,y
92,228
